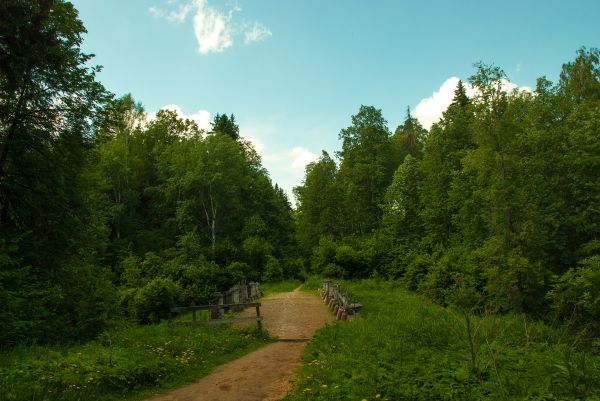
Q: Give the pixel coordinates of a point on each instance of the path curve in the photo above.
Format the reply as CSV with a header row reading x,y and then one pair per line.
x,y
266,374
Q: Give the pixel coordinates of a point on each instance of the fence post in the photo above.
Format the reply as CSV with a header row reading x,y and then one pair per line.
x,y
215,313
258,322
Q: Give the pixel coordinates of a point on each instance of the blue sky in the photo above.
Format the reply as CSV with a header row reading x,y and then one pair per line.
x,y
294,72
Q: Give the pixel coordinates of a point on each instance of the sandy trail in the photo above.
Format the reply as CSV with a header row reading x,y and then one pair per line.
x,y
266,374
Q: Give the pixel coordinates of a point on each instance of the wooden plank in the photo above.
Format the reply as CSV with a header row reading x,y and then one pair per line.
x,y
220,321
181,309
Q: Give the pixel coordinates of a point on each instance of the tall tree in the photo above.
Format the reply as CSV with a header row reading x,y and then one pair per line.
x,y
447,143
366,169
49,232
224,124
319,198
408,138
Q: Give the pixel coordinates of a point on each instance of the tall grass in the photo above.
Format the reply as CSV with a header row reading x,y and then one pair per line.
x,y
405,348
130,362
280,286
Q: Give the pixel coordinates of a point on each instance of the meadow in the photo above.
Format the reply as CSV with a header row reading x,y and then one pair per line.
x,y
403,347
126,363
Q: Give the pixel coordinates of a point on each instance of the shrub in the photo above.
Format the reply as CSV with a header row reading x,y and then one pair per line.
x,y
576,294
273,270
153,301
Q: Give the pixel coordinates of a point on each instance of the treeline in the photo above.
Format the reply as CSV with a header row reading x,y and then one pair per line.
x,y
496,207
105,212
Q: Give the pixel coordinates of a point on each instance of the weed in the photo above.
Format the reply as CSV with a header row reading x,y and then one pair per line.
x,y
405,348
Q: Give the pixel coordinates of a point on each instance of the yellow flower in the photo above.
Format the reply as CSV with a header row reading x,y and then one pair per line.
x,y
377,396
324,385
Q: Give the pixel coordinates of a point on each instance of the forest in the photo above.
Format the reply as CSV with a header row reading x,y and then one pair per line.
x,y
109,214
106,213
495,208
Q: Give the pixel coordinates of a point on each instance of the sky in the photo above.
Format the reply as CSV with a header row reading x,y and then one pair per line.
x,y
294,72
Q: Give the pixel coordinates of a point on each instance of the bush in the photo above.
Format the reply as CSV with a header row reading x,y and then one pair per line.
x,y
240,271
333,271
323,254
273,270
153,301
576,294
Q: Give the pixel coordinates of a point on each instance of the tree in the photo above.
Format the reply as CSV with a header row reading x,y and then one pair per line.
x,y
49,100
402,204
365,170
49,104
447,143
222,124
408,138
318,198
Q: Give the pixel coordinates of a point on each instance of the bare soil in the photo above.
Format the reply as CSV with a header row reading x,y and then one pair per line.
x,y
268,373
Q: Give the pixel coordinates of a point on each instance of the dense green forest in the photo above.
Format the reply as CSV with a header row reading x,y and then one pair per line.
x,y
496,208
106,213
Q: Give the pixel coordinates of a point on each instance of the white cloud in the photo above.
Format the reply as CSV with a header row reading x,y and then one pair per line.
x,y
302,157
257,33
201,117
156,12
285,164
430,109
180,14
214,29
258,145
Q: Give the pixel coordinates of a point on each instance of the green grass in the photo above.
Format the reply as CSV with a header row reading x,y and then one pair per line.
x,y
405,348
129,363
312,284
280,286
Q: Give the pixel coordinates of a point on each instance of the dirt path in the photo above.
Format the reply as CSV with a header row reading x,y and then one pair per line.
x,y
265,374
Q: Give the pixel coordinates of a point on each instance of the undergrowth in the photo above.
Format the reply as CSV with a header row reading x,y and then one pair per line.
x,y
402,347
280,286
127,363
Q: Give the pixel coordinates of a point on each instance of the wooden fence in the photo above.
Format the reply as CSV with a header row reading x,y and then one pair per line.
x,y
338,300
236,299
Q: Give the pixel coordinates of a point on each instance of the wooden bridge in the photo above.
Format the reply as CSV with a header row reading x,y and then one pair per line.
x,y
236,299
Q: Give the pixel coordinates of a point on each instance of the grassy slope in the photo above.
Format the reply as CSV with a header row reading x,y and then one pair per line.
x,y
281,286
129,363
404,348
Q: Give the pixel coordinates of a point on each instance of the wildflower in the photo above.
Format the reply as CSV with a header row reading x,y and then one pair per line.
x,y
377,396
324,385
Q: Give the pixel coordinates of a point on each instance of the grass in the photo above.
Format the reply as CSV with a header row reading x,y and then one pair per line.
x,y
405,348
128,363
280,286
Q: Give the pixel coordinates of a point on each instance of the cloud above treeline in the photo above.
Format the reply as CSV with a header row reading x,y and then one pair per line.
x,y
430,109
215,29
200,117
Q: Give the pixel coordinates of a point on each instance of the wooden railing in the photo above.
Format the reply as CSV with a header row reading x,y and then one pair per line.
x,y
338,300
218,310
237,298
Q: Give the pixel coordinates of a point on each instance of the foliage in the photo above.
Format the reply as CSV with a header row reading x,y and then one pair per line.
x,y
129,362
280,286
273,270
153,301
51,279
500,196
401,347
575,296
